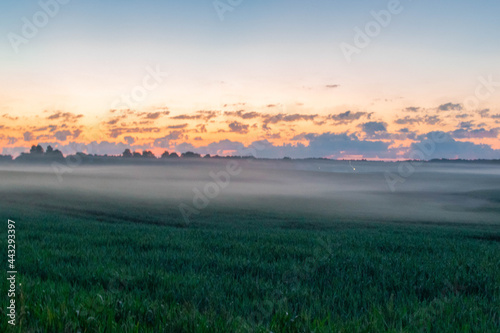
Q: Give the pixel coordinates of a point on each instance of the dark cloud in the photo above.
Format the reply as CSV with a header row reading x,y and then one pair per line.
x,y
413,109
348,117
28,136
450,107
130,140
408,121
447,147
242,114
466,124
65,116
178,126
205,115
12,140
375,130
332,86
62,135
164,142
154,115
237,127
281,117
113,121
432,120
480,133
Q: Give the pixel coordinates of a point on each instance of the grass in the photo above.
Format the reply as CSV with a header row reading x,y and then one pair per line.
x,y
90,266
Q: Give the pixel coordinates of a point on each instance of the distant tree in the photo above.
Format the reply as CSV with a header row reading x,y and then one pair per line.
x,y
190,154
50,149
148,154
165,154
36,149
127,153
207,156
173,155
137,154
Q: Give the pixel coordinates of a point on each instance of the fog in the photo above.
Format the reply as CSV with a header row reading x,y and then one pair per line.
x,y
448,192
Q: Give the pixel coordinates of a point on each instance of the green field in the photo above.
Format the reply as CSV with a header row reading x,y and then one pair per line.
x,y
91,262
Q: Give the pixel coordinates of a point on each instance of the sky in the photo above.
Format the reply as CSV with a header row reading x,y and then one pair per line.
x,y
336,79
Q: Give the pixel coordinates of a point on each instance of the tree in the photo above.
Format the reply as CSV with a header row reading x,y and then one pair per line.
x,y
137,154
207,156
173,155
165,154
148,154
36,149
127,153
49,149
190,154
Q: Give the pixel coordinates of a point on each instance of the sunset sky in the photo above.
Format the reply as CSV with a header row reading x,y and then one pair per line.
x,y
221,76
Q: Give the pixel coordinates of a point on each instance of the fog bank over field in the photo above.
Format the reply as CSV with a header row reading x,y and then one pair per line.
x,y
448,192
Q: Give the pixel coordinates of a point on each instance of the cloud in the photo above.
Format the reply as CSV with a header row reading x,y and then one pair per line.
x,y
164,142
116,132
65,116
281,117
466,124
348,117
178,126
451,149
486,114
77,133
332,86
432,120
12,140
375,130
62,135
28,136
237,127
154,115
450,107
7,116
413,109
408,121
130,140
242,114
113,121
480,133
205,115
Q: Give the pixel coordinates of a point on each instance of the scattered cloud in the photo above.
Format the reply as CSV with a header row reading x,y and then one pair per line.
x,y
237,127
450,107
348,117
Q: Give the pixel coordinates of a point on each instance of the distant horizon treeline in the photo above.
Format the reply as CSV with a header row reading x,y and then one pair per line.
x,y
38,154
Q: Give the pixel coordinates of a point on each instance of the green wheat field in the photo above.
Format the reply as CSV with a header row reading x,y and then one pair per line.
x,y
285,247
